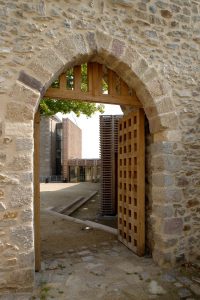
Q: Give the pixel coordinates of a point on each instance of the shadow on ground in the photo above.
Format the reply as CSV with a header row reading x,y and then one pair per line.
x,y
81,264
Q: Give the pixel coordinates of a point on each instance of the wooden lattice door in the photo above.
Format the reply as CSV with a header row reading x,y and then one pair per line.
x,y
131,182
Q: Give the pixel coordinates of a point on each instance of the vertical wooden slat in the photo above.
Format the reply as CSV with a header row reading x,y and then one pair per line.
x,y
100,78
77,78
112,76
97,79
37,191
90,77
63,81
123,88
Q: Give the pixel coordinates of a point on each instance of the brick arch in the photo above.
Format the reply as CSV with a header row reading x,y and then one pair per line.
x,y
119,56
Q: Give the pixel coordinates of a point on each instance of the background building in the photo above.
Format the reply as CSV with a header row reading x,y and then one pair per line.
x,y
61,153
59,142
71,143
109,163
48,146
84,170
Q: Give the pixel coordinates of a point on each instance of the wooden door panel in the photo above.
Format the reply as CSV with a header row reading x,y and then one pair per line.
x,y
131,182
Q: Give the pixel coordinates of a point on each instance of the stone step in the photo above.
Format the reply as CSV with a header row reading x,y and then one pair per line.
x,y
72,207
61,209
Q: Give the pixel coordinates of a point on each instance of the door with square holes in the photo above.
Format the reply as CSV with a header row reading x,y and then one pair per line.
x,y
131,182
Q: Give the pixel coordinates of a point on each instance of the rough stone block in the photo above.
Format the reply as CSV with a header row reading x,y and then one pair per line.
x,y
184,93
50,61
195,288
146,100
149,75
2,157
2,193
30,81
18,112
169,163
9,215
166,13
24,144
21,163
2,206
130,57
193,203
127,3
167,194
26,259
162,147
162,258
164,105
11,262
21,93
21,196
22,236
139,67
156,87
151,111
73,49
1,129
90,38
39,72
19,129
117,48
26,178
165,242
163,211
21,278
173,226
163,122
182,181
169,120
155,125
104,42
5,179
168,135
27,215
162,180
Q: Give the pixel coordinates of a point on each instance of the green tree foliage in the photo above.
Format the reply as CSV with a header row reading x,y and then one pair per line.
x,y
49,106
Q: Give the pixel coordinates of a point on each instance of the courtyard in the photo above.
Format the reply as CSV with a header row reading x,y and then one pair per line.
x,y
81,262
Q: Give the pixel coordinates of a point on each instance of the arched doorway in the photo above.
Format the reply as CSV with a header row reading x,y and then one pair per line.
x,y
150,88
131,157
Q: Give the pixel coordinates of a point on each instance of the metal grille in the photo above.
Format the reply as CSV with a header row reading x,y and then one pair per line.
x,y
131,182
109,152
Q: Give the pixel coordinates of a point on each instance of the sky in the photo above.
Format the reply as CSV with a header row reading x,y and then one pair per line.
x,y
90,129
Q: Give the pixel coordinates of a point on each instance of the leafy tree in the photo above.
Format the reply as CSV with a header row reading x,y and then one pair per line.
x,y
49,106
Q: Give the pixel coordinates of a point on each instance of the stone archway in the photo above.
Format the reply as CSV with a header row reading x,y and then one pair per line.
x,y
31,85
151,89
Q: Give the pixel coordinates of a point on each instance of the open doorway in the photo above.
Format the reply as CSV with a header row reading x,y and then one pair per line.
x,y
130,167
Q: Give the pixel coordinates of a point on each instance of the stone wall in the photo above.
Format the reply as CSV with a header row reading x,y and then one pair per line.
x,y
154,46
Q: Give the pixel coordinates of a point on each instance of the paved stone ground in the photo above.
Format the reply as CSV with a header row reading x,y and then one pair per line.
x,y
88,264
110,272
